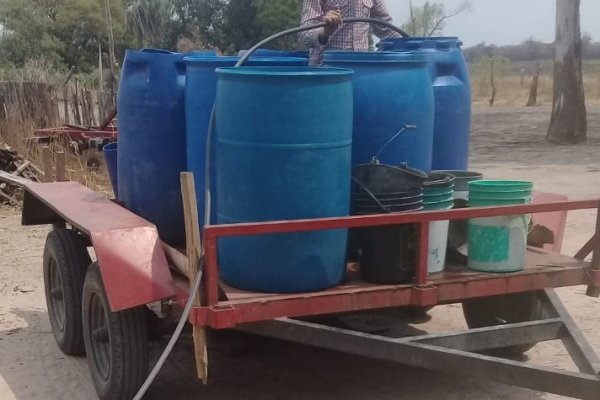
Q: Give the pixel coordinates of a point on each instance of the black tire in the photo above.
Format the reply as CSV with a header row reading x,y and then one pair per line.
x,y
65,261
116,343
499,310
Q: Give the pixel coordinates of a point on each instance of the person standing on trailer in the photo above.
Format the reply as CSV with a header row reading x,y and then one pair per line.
x,y
342,37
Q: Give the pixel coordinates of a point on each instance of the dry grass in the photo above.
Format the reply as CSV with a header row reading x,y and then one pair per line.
x,y
510,91
18,134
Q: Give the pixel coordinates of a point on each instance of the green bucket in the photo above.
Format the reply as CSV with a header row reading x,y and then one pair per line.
x,y
438,205
438,191
499,186
438,198
474,202
498,244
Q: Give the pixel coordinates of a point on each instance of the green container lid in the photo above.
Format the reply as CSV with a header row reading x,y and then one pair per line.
x,y
499,186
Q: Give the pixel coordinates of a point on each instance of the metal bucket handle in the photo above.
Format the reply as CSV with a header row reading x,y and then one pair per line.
x,y
371,195
375,158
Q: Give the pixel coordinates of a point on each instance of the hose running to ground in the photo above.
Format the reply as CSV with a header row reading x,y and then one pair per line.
x,y
207,194
180,325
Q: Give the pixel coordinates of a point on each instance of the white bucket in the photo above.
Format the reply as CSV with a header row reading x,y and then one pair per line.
x,y
438,245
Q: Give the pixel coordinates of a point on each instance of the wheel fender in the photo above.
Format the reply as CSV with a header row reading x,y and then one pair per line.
x,y
134,267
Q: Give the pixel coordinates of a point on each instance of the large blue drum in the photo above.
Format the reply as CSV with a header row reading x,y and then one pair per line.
x,y
390,93
452,88
152,147
283,152
200,97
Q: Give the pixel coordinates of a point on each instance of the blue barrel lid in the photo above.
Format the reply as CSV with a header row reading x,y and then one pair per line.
x,y
225,61
380,57
417,43
276,53
286,71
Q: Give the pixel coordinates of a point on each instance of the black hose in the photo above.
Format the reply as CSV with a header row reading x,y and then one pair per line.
x,y
292,31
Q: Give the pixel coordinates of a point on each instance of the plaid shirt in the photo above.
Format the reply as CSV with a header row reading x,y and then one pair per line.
x,y
349,36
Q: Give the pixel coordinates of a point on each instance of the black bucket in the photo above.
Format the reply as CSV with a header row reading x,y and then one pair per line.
x,y
387,254
386,179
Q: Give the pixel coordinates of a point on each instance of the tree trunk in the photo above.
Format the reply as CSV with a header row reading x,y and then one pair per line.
x,y
568,124
533,90
492,82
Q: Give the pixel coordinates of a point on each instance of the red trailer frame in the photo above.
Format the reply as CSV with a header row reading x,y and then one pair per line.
x,y
138,269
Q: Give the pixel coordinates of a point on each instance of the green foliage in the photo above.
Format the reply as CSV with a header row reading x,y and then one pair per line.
x,y
147,21
249,21
70,32
63,31
199,21
277,15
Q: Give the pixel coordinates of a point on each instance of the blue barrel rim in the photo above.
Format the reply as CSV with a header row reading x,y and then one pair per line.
x,y
113,146
374,57
208,59
440,43
277,71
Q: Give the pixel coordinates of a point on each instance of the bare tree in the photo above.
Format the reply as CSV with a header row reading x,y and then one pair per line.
x,y
430,18
568,124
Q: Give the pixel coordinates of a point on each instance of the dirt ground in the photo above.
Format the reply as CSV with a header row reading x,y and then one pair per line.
x,y
507,143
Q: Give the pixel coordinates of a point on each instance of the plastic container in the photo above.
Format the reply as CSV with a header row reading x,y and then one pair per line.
x,y
387,254
152,138
390,92
200,95
273,144
450,76
498,244
438,237
111,159
458,231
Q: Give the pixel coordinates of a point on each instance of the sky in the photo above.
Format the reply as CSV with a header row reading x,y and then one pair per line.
x,y
503,22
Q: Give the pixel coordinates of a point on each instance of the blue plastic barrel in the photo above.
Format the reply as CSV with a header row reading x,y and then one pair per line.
x,y
152,138
452,88
201,89
283,152
390,92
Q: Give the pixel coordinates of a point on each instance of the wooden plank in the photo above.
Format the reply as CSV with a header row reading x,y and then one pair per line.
x,y
9,198
594,291
67,111
61,172
194,254
177,260
47,164
18,171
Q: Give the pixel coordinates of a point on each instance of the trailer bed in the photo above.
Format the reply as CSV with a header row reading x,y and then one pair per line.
x,y
544,270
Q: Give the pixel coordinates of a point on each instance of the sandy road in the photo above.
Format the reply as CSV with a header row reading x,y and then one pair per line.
x,y
507,143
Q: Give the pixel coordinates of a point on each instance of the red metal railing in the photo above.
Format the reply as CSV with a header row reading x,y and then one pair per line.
x,y
213,233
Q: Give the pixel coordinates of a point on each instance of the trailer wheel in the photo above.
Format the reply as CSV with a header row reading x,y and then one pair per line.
x,y
116,343
499,310
65,262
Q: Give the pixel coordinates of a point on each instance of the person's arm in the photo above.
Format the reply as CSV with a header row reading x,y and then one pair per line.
x,y
380,11
312,12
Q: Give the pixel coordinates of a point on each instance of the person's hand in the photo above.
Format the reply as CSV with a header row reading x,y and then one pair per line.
x,y
333,19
